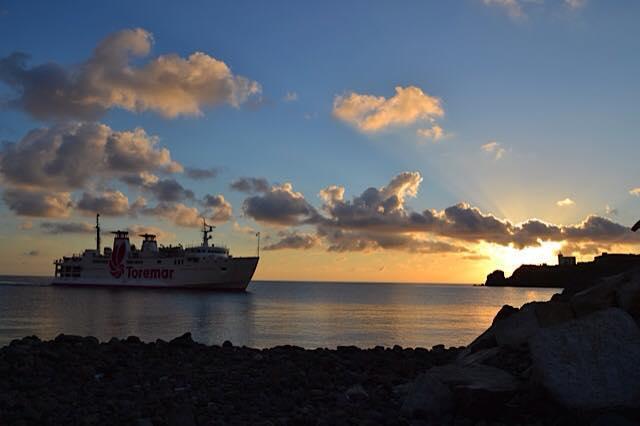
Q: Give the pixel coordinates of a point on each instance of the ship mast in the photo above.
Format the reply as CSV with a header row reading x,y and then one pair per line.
x,y
206,229
98,233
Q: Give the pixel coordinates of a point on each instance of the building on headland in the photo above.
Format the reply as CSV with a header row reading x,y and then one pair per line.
x,y
567,273
566,260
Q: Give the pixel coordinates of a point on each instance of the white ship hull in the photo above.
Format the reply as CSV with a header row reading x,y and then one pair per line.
x,y
233,274
197,267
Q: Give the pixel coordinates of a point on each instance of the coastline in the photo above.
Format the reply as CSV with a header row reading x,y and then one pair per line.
x,y
571,360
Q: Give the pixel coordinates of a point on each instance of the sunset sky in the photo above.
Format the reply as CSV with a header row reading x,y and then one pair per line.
x,y
414,141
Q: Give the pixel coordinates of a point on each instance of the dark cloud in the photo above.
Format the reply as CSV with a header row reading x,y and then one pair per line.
x,y
293,240
108,203
201,174
67,227
280,205
169,190
37,203
69,156
250,185
379,218
168,84
218,209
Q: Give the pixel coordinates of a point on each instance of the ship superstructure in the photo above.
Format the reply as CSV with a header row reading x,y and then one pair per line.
x,y
204,266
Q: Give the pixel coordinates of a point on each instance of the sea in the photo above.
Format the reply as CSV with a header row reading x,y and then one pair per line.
x,y
306,314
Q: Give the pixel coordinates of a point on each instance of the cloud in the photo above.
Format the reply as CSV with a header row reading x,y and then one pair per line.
x,y
494,148
108,203
38,203
26,225
375,113
32,253
69,156
178,213
635,192
512,7
293,240
169,190
243,229
280,205
250,185
575,4
218,209
116,76
161,234
379,218
567,202
290,97
201,174
435,133
611,210
67,227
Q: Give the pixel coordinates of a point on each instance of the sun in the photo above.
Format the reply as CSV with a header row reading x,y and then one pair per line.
x,y
508,258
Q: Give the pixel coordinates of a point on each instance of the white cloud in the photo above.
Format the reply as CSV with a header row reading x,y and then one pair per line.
x,y
435,133
375,113
512,7
635,191
494,148
575,4
290,97
567,202
167,84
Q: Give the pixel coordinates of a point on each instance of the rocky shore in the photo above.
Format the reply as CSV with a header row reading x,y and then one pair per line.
x,y
572,360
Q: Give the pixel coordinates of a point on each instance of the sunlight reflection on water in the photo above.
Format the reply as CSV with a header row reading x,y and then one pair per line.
x,y
270,313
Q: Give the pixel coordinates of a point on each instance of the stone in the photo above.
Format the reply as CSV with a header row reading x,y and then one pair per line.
x,y
628,296
478,390
427,398
590,363
552,313
598,297
356,393
227,344
518,327
184,340
504,312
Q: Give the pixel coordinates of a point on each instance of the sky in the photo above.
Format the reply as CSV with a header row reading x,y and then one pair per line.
x,y
414,141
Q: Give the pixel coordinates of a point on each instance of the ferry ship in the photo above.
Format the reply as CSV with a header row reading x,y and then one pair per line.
x,y
205,266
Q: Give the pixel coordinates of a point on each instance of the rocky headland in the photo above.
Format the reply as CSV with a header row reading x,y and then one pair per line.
x,y
572,360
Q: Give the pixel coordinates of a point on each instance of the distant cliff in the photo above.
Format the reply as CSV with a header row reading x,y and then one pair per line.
x,y
582,274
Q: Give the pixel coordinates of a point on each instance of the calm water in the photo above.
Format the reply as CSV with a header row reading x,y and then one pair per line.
x,y
270,313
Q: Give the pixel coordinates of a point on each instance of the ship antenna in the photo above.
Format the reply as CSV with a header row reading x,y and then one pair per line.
x,y
206,229
98,233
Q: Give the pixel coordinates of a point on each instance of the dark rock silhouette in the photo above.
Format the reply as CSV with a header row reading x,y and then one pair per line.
x,y
576,277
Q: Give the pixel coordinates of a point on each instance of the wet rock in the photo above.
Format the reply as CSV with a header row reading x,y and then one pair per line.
x,y
591,362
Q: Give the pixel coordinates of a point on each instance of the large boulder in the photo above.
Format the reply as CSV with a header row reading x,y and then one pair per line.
x,y
596,298
590,363
474,389
518,327
427,398
628,296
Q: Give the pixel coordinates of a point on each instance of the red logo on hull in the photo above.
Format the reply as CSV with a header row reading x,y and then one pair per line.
x,y
116,263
